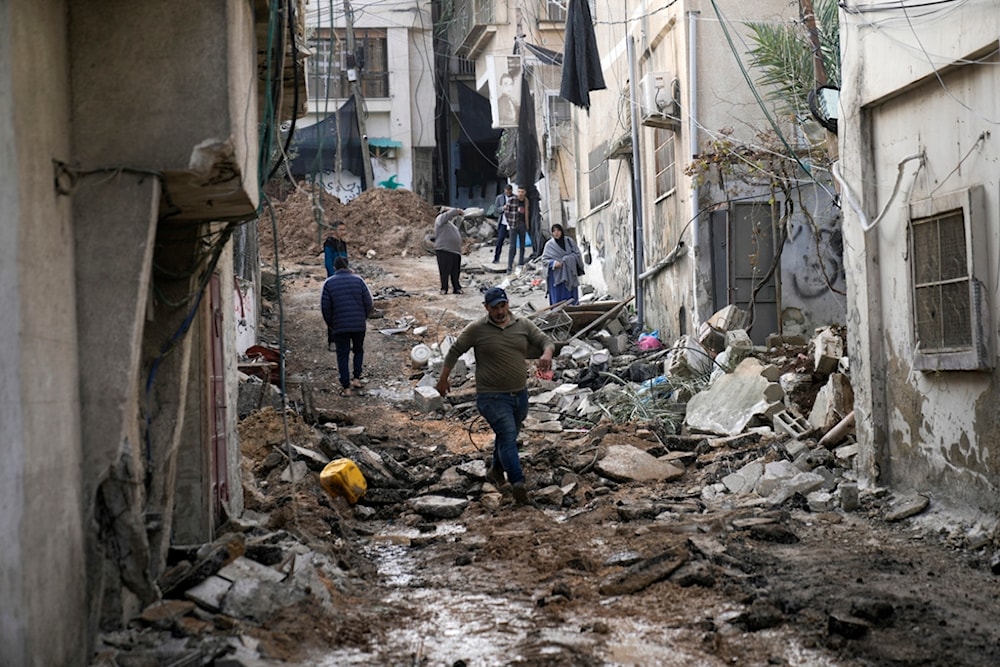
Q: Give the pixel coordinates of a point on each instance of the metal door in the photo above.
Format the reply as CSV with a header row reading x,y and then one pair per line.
x,y
742,254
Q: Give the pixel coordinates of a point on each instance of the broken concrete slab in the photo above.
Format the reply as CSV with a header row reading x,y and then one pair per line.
x,y
803,483
242,568
688,359
730,405
775,473
625,463
295,472
745,479
315,460
550,495
211,593
833,402
439,507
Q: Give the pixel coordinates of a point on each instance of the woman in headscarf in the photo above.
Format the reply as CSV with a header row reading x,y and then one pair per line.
x,y
448,249
563,263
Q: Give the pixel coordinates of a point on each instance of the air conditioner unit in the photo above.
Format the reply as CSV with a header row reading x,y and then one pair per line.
x,y
659,100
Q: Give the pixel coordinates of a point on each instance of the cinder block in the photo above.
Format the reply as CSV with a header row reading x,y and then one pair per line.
x,y
792,425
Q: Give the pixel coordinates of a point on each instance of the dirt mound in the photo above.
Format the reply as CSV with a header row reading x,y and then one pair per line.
x,y
389,222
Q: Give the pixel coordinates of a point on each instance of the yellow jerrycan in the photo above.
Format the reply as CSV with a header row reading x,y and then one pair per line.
x,y
342,477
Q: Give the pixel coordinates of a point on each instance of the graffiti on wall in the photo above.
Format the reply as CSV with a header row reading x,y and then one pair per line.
x,y
613,245
819,253
345,186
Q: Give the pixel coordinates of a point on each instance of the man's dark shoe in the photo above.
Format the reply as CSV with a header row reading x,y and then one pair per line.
x,y
495,476
520,494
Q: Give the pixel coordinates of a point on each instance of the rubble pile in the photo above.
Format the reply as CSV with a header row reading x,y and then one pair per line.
x,y
717,427
380,223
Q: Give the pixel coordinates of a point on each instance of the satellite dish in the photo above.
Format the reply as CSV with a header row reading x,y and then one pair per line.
x,y
824,103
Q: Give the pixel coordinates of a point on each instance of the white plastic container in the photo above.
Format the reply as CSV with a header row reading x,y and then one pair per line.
x,y
420,355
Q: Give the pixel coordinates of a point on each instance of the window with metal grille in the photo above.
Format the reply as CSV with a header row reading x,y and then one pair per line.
x,y
331,62
600,185
555,10
949,269
666,177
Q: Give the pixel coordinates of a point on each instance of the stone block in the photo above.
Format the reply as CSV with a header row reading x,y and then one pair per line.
x,y
729,318
849,499
775,473
427,399
827,351
625,463
617,344
795,447
821,501
745,479
803,483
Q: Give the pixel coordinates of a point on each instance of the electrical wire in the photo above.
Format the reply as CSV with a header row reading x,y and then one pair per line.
x,y
894,6
937,75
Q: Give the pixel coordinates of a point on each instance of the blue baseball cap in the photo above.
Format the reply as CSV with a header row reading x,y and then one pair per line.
x,y
495,295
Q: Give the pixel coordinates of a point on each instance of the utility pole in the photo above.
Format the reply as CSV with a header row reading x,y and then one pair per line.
x,y
359,100
808,14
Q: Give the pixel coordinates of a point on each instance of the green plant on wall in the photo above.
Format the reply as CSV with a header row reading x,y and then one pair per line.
x,y
785,55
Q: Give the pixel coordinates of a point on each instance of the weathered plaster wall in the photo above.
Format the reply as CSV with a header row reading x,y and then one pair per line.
x,y
41,533
927,431
726,109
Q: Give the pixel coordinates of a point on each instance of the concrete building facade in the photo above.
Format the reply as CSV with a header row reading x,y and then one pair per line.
x,y
129,144
394,66
724,217
687,217
921,178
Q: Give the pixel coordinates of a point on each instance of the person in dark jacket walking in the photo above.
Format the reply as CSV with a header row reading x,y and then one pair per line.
x,y
346,303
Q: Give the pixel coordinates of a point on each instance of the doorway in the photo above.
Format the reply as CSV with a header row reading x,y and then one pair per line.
x,y
743,252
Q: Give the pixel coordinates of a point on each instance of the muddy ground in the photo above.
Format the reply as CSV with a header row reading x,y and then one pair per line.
x,y
501,584
618,573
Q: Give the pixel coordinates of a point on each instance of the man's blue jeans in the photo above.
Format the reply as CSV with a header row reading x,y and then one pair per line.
x,y
518,237
505,413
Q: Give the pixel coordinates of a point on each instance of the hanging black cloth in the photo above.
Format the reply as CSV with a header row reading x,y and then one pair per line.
x,y
315,147
528,159
581,71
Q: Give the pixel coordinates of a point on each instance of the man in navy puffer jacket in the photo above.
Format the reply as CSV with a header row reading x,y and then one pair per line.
x,y
346,303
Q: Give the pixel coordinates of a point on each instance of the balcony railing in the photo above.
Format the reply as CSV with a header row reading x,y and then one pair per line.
x,y
473,24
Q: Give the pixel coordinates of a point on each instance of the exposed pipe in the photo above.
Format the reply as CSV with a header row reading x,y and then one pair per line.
x,y
853,202
693,154
636,187
838,432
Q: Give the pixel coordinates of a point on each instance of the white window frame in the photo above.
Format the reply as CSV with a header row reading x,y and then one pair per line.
x,y
976,353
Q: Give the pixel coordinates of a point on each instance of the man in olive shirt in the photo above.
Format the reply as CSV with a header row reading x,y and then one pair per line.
x,y
502,345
